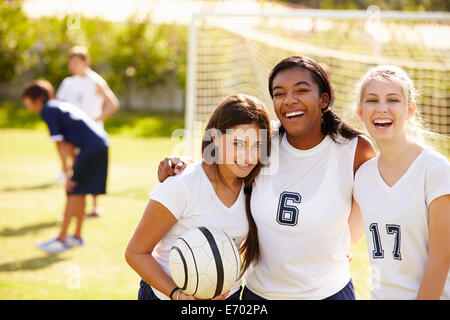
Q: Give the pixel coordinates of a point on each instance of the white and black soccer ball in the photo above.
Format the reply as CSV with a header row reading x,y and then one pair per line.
x,y
204,262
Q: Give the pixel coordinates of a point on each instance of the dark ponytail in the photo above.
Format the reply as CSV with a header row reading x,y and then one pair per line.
x,y
250,247
332,124
232,111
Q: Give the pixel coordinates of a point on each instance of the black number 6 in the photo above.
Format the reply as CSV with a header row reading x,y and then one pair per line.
x,y
288,214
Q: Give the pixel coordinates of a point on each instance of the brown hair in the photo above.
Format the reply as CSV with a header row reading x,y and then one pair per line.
x,y
39,89
80,52
235,110
332,124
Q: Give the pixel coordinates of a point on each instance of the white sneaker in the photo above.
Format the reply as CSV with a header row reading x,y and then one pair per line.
x,y
60,177
53,246
72,241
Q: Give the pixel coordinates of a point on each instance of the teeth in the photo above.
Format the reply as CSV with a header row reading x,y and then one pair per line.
x,y
242,164
382,121
295,113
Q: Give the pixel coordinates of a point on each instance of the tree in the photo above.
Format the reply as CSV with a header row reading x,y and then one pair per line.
x,y
405,5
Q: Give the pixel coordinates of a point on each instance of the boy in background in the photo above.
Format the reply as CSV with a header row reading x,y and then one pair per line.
x,y
88,91
71,128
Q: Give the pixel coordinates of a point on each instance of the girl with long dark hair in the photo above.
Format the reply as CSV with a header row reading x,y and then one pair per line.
x,y
211,192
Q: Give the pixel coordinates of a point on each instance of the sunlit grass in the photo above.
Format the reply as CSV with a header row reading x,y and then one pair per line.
x,y
31,203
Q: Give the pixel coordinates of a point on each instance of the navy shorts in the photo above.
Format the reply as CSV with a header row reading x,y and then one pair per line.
x,y
347,293
90,171
146,293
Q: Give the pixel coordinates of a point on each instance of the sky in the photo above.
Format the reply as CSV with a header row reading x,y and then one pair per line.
x,y
168,11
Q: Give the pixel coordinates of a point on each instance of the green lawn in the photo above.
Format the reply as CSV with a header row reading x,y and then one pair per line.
x,y
30,205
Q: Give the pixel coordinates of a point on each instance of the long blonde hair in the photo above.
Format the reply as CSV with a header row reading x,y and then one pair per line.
x,y
417,127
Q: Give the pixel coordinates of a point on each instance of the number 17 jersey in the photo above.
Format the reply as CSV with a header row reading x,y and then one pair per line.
x,y
396,223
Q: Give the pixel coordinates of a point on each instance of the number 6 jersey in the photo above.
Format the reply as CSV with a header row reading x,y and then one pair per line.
x,y
396,222
301,204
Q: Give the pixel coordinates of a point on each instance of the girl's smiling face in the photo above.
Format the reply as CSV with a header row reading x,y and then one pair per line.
x,y
240,149
384,109
297,101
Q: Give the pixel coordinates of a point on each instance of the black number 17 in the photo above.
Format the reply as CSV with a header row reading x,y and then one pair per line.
x,y
378,252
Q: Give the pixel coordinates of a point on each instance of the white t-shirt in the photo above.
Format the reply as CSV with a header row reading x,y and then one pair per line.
x,y
191,198
82,92
301,204
396,222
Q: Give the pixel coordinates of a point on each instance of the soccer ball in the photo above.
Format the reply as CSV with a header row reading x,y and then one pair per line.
x,y
204,262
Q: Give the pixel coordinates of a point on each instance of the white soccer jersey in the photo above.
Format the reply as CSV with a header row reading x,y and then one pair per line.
x,y
396,222
191,198
301,205
82,92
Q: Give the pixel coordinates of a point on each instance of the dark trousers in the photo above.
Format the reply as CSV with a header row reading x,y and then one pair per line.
x,y
146,293
347,293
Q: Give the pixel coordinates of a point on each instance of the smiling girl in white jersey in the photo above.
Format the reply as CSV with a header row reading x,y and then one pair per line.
x,y
303,205
404,194
212,192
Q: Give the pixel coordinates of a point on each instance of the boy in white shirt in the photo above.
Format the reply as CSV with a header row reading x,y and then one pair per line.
x,y
87,90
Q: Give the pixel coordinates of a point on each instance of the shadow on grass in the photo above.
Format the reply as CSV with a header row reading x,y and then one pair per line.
x,y
10,232
31,264
29,188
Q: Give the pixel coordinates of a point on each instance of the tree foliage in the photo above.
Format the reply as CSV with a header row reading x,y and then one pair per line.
x,y
16,39
141,51
404,5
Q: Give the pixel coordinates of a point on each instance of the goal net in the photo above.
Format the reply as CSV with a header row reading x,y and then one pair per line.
x,y
234,53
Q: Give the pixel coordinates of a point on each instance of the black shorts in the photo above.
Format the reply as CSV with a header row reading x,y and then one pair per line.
x,y
146,293
90,171
347,293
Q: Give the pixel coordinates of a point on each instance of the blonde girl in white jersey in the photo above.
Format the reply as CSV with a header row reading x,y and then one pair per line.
x,y
302,203
404,193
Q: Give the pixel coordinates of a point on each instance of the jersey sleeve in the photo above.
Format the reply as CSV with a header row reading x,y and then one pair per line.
x,y
51,118
61,94
173,194
98,79
355,189
437,181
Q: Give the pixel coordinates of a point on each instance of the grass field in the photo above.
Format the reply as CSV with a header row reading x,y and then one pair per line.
x,y
30,205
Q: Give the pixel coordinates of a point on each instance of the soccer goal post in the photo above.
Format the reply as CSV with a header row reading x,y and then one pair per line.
x,y
232,53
